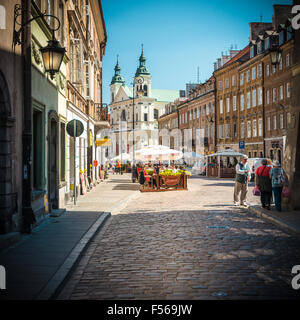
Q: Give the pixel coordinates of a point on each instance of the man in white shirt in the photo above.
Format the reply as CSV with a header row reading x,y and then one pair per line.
x,y
243,174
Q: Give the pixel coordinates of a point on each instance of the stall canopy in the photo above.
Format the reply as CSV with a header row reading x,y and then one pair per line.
x,y
157,153
226,153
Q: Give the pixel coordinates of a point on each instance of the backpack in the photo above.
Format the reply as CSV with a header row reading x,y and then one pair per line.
x,y
241,178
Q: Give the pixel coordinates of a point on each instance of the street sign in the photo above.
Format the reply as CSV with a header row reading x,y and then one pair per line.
x,y
242,144
77,125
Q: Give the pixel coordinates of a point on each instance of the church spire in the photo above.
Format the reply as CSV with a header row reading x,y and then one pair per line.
x,y
117,78
142,69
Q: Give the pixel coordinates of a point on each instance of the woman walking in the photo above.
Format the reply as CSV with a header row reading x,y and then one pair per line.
x,y
263,182
279,179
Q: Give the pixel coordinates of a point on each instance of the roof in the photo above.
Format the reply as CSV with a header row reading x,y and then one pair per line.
x,y
165,95
236,57
128,91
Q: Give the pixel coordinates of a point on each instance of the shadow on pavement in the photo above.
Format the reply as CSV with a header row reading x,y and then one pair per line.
x,y
126,186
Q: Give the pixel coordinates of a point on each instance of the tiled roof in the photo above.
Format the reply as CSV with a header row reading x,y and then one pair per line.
x,y
237,56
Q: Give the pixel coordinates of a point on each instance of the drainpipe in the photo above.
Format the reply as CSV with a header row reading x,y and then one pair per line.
x,y
28,217
263,107
215,120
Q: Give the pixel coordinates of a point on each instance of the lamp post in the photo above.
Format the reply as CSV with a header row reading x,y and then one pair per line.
x,y
138,80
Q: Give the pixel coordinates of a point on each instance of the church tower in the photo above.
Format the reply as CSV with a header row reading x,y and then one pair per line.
x,y
143,72
116,82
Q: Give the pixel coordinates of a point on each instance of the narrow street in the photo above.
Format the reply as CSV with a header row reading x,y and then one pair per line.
x,y
186,245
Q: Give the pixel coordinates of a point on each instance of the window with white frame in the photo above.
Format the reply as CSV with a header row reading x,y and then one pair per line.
x,y
207,109
288,90
249,129
259,70
241,79
186,117
260,127
221,106
274,95
288,118
281,92
227,83
227,105
281,121
233,80
242,129
273,68
287,60
198,113
274,122
242,98
268,96
280,64
227,130
253,73
254,128
260,96
267,70
221,133
234,103
220,85
254,98
248,75
248,99
269,123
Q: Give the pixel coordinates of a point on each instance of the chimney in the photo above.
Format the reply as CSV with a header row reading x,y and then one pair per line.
x,y
281,14
257,27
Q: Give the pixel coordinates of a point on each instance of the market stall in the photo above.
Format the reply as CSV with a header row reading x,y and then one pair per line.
x,y
216,166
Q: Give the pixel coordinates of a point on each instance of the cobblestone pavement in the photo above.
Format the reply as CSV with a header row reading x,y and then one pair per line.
x,y
187,245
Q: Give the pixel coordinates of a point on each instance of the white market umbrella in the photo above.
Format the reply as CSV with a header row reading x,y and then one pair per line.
x,y
125,157
157,153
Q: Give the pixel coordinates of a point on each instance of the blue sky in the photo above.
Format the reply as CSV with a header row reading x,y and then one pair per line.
x,y
178,36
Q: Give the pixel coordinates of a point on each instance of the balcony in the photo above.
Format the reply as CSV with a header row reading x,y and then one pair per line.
x,y
102,117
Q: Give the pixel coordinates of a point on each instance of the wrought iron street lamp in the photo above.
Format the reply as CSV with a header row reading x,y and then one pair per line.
x,y
275,55
53,53
137,81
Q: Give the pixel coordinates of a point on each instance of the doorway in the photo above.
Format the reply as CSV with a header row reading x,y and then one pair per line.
x,y
53,160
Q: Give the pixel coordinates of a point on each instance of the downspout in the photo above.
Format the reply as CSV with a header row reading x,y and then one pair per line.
x,y
28,217
263,107
215,120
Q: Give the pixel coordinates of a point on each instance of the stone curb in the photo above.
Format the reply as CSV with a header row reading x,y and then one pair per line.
x,y
56,282
289,227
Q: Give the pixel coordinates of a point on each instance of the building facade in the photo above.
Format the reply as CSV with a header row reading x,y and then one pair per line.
x,y
148,103
11,122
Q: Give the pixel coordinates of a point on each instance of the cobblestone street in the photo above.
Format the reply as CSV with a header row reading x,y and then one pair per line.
x,y
187,245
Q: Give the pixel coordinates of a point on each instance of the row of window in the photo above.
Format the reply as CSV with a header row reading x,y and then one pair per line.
x,y
255,96
284,91
255,72
254,129
277,122
196,112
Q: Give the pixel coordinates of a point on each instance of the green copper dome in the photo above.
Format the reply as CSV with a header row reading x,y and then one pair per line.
x,y
117,78
142,69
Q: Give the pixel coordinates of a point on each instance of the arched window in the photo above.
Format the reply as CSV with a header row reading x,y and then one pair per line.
x,y
155,114
112,97
145,90
123,117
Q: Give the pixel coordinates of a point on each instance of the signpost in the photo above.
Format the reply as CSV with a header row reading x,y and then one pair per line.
x,y
75,129
242,144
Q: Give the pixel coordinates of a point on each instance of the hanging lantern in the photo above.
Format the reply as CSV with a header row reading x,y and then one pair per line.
x,y
52,56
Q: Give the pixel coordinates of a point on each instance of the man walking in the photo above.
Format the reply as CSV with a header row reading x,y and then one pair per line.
x,y
241,181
